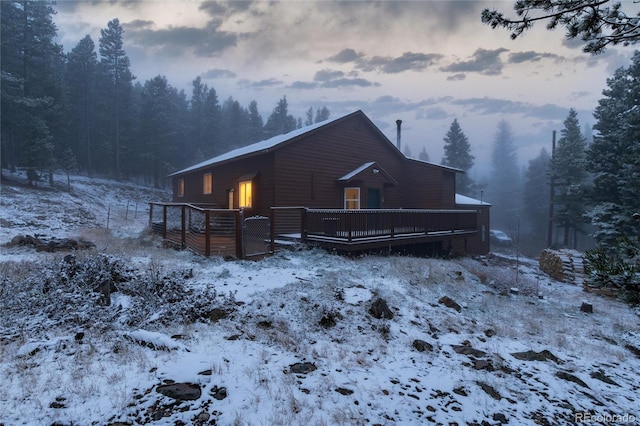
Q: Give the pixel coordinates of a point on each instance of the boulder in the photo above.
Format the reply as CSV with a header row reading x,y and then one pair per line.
x,y
180,391
379,309
449,303
422,346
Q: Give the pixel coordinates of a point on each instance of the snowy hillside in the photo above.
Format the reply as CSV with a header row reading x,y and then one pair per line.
x,y
304,337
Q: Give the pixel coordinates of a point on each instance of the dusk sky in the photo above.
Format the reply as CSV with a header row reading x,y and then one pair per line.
x,y
425,62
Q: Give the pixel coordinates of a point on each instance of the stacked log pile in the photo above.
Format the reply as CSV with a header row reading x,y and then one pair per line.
x,y
563,265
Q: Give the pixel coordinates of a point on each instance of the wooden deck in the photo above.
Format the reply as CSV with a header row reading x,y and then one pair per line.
x,y
365,229
224,232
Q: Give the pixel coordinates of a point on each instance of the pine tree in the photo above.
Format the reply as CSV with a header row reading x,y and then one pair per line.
x,y
81,78
614,157
322,114
255,131
309,120
213,124
159,130
536,197
31,92
280,121
234,127
569,174
424,156
457,154
504,183
115,64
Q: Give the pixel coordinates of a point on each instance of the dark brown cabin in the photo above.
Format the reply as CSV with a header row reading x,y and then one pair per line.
x,y
344,163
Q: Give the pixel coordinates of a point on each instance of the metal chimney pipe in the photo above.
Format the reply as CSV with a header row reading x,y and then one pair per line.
x,y
399,125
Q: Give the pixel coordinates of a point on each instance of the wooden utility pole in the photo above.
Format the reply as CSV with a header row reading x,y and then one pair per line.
x,y
551,193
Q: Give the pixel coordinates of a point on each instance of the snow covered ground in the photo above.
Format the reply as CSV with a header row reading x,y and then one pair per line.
x,y
299,338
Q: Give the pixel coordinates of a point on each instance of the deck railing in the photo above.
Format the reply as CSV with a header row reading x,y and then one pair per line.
x,y
200,228
214,231
353,225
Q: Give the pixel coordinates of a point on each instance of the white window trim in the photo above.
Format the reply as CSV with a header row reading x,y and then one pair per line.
x,y
351,199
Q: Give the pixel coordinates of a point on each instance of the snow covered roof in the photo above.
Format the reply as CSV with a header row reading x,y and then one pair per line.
x,y
377,169
262,146
353,173
468,201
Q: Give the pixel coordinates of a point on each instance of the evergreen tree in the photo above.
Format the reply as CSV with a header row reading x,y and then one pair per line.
x,y
424,156
457,154
81,75
197,119
309,120
255,124
504,183
322,114
213,125
536,197
115,65
614,157
160,132
280,121
31,92
235,121
69,164
569,174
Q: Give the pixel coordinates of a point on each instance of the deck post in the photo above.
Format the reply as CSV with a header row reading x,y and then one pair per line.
x,y
303,224
393,225
207,233
349,227
272,230
183,232
239,226
164,222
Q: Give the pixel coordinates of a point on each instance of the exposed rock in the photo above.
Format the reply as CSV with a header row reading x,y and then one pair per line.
x,y
302,367
571,378
344,391
482,364
460,391
635,350
216,314
180,391
489,390
330,319
379,309
59,402
467,349
586,307
489,332
449,303
499,417
599,375
536,356
219,393
422,346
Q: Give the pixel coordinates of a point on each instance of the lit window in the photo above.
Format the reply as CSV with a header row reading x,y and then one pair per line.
x,y
245,194
180,187
207,183
352,198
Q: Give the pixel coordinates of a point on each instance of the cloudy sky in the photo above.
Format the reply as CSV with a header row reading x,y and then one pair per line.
x,y
425,62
